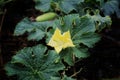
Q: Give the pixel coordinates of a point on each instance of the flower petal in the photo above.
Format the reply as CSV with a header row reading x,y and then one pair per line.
x,y
59,41
58,49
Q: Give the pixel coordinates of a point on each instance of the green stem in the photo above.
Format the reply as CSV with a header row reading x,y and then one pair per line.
x,y
74,69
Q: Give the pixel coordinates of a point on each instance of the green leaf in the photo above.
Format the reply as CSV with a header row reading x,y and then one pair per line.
x,y
36,30
23,26
111,7
65,6
67,56
99,21
82,26
36,35
68,5
88,39
66,23
80,52
85,27
43,5
33,64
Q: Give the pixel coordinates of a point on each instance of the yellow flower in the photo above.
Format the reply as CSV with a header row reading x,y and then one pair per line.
x,y
60,41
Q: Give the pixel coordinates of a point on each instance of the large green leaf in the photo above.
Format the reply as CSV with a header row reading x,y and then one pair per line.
x,y
33,64
82,26
84,30
36,30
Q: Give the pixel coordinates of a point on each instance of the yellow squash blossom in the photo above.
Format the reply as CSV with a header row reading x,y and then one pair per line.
x,y
60,41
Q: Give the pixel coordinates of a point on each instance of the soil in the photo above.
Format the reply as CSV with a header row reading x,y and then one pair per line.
x,y
104,61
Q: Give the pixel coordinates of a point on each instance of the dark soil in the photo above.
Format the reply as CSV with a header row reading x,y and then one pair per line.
x,y
104,61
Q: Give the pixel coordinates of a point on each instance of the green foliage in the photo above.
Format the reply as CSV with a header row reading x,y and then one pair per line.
x,y
42,62
82,31
107,7
33,64
82,28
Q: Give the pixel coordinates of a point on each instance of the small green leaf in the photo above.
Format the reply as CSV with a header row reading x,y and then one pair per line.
x,y
80,52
